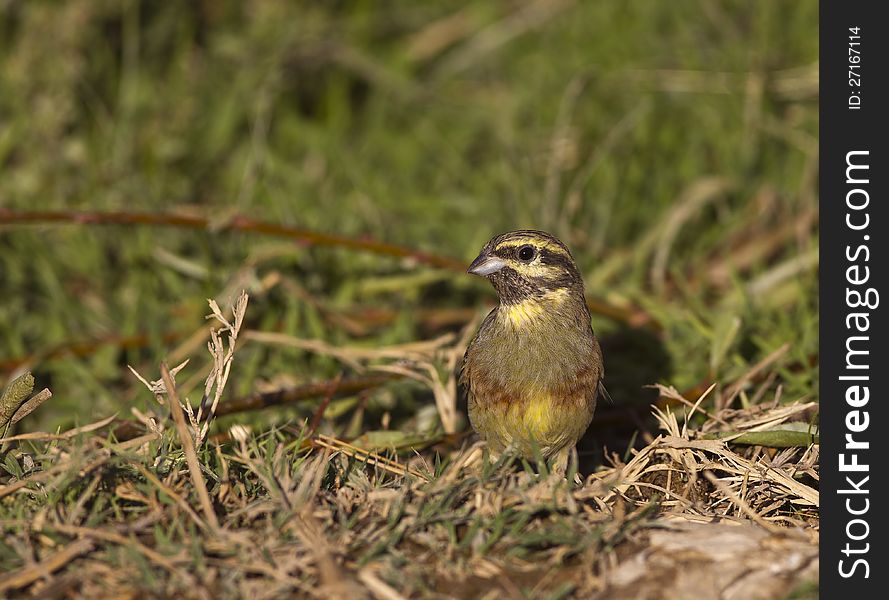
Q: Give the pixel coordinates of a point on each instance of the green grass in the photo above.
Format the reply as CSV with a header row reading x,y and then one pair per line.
x,y
283,516
672,146
327,119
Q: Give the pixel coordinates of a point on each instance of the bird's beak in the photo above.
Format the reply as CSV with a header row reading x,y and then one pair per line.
x,y
485,265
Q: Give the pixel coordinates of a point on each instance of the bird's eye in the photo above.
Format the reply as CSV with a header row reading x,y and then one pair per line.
x,y
527,253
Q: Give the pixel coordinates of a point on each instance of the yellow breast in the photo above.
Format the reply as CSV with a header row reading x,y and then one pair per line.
x,y
536,421
536,416
528,311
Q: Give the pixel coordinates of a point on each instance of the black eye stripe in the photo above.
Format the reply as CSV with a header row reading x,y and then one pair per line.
x,y
548,257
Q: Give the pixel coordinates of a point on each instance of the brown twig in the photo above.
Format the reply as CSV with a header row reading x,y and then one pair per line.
x,y
236,223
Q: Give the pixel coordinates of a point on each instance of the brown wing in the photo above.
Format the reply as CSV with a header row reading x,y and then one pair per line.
x,y
463,376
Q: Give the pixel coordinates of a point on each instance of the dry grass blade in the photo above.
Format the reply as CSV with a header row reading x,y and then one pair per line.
x,y
673,463
55,471
309,391
223,356
365,456
28,575
194,467
179,500
444,393
378,587
732,392
772,417
426,371
782,272
67,435
438,35
804,493
353,355
754,246
157,387
793,83
116,538
134,443
745,508
529,16
336,582
560,139
672,393
695,198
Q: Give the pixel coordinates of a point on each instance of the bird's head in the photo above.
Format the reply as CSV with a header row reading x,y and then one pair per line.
x,y
526,265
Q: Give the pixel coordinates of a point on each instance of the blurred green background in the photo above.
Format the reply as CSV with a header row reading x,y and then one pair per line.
x,y
673,146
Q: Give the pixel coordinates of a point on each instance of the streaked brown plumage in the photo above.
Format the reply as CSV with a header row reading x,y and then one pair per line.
x,y
533,371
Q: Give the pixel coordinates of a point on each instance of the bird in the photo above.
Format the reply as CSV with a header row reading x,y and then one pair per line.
x,y
534,370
